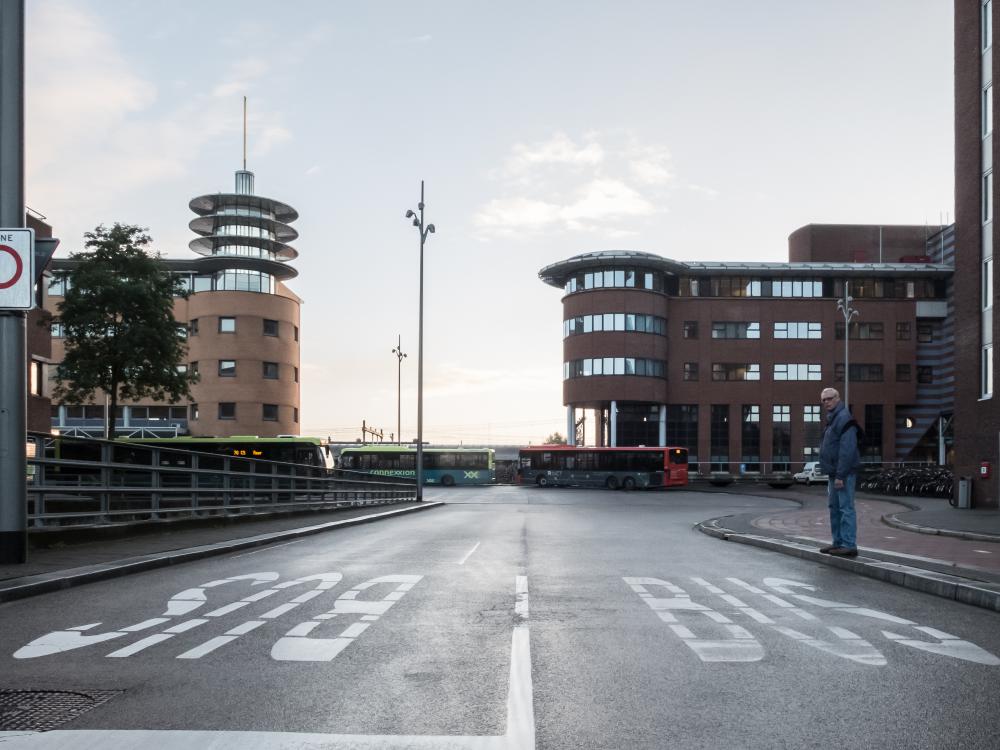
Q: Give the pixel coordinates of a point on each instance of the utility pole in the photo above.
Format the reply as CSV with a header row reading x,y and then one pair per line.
x,y
398,351
13,350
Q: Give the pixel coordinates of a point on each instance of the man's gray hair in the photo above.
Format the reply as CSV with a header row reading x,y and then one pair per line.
x,y
829,392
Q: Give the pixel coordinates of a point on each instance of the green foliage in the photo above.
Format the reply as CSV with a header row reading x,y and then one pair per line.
x,y
555,439
120,333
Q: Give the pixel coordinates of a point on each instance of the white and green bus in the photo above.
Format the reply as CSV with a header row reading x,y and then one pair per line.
x,y
444,466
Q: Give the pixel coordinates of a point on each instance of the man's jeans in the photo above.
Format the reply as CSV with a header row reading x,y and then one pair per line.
x,y
843,519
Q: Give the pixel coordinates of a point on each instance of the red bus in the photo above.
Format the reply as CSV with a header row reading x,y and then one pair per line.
x,y
614,468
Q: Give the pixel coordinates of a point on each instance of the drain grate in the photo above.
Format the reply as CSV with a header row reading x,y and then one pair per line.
x,y
41,710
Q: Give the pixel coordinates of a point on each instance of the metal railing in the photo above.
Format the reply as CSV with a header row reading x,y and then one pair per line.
x,y
87,482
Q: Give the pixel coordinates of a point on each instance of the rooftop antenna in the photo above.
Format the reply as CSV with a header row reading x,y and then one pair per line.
x,y
244,133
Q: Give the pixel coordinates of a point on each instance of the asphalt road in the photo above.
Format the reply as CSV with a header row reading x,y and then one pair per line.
x,y
511,618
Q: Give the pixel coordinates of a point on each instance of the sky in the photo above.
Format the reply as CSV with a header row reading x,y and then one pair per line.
x,y
542,130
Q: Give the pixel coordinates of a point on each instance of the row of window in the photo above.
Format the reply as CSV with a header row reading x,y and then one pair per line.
x,y
743,371
229,280
584,368
615,322
751,286
227,324
227,411
244,211
227,369
810,330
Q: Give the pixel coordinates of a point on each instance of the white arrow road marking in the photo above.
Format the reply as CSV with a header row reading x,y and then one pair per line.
x,y
740,646
520,734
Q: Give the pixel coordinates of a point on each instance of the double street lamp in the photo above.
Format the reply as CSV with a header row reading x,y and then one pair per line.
x,y
398,351
418,222
849,313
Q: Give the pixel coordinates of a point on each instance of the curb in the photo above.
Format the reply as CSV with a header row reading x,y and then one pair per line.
x,y
963,590
890,519
20,588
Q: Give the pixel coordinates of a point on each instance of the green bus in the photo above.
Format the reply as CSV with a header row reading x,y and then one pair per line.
x,y
444,466
291,450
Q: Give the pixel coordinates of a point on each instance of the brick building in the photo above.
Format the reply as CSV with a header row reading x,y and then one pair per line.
x,y
728,359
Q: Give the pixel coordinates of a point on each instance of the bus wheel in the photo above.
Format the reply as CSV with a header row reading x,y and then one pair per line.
x,y
612,483
543,481
448,480
628,483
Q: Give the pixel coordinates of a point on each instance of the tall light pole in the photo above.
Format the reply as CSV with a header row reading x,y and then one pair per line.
x,y
849,313
418,222
398,351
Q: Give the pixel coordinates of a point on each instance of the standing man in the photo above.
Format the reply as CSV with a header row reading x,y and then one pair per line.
x,y
839,459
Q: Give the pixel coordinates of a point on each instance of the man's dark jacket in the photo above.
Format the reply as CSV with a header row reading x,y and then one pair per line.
x,y
838,454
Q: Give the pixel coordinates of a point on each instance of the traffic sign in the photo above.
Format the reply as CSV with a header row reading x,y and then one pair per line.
x,y
17,269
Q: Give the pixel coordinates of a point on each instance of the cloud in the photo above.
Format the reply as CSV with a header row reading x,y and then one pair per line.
x,y
449,380
710,193
92,119
590,185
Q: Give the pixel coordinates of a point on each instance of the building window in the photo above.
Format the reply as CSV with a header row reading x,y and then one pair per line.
x,y
227,325
182,331
682,430
269,412
986,389
614,322
988,197
719,437
902,331
988,110
863,331
36,377
295,370
295,331
750,438
58,330
585,368
860,373
270,370
690,329
798,330
182,369
781,437
925,331
295,414
797,288
270,327
795,371
735,371
733,330
227,368
193,326
925,374
690,370
811,413
193,411
227,410
874,416
988,283
987,24
194,368
903,373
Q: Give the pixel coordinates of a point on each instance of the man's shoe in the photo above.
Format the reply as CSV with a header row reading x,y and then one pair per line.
x,y
844,551
826,550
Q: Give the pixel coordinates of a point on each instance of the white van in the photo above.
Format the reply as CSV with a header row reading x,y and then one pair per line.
x,y
811,473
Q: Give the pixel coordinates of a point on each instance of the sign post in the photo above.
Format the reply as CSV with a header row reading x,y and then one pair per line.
x,y
16,274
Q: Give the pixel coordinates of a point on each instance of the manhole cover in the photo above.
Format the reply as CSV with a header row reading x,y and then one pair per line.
x,y
41,710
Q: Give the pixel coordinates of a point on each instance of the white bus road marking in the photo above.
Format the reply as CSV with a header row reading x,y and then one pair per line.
x,y
519,734
742,646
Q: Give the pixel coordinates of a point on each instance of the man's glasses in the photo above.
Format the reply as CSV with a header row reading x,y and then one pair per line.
x,y
828,398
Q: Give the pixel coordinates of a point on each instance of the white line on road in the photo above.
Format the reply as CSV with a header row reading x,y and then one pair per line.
x,y
468,554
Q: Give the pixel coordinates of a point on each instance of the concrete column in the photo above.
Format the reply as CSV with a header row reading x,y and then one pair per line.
x,y
62,415
570,425
613,421
126,416
663,425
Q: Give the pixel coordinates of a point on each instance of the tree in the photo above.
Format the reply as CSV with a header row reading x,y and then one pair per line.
x,y
555,439
119,328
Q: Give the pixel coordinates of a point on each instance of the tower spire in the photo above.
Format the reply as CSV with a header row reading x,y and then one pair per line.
x,y
244,133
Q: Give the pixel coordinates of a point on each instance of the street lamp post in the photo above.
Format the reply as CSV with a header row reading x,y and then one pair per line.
x,y
398,351
849,313
418,222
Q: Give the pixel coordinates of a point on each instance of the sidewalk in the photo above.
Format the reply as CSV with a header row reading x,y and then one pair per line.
x,y
920,543
63,564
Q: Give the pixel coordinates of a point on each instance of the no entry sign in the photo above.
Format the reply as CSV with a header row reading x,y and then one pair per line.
x,y
17,249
